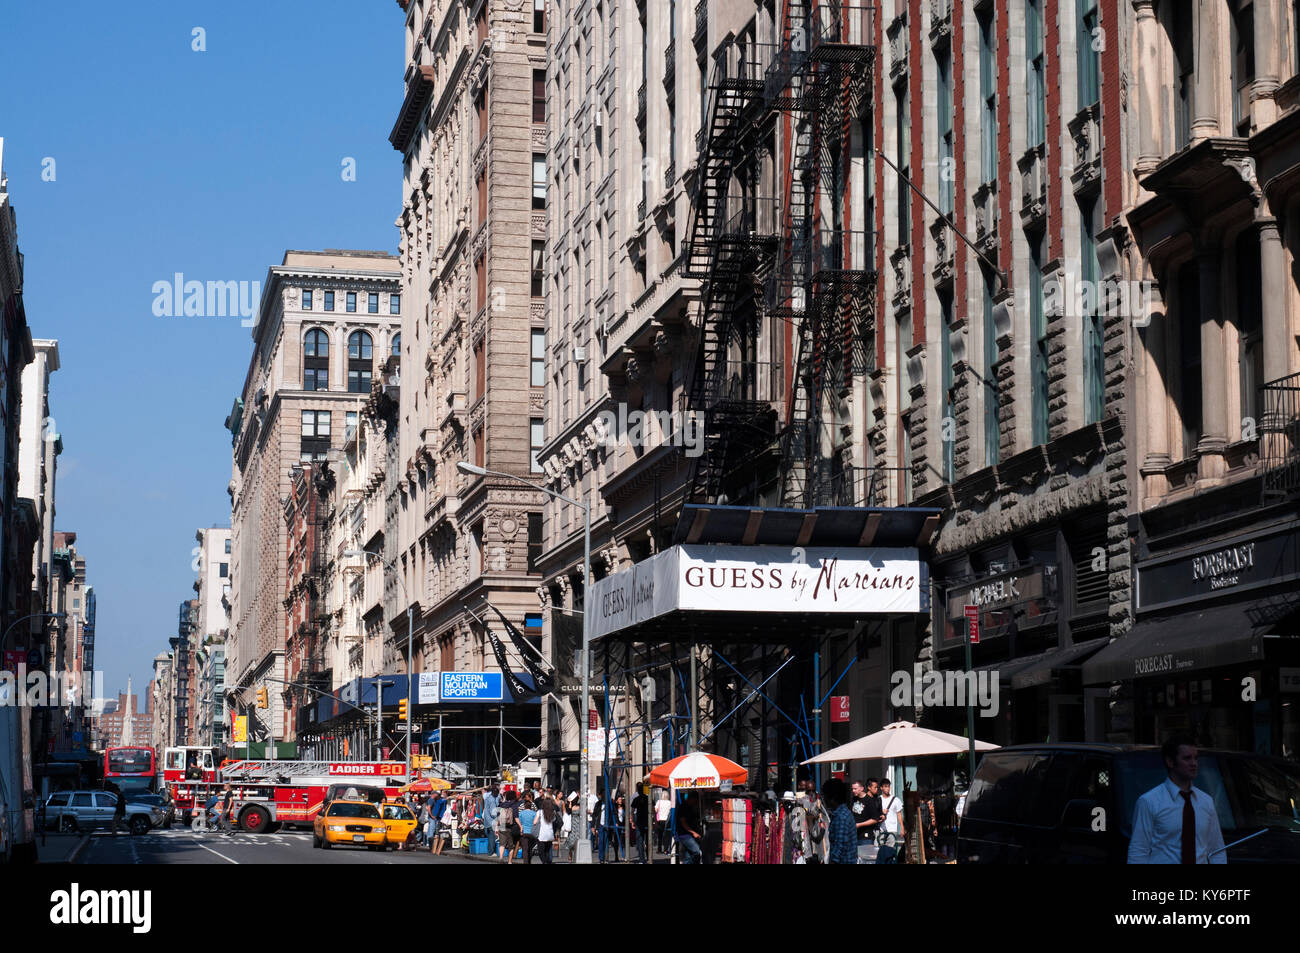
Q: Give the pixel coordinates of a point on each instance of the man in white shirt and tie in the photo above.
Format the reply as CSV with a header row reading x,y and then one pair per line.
x,y
1176,823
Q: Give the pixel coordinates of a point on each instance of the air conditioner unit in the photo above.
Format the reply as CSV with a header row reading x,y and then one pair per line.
x,y
600,121
579,354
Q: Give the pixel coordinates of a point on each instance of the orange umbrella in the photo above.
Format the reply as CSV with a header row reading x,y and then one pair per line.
x,y
697,770
425,785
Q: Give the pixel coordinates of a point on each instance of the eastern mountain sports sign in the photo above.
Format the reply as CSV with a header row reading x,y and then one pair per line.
x,y
849,581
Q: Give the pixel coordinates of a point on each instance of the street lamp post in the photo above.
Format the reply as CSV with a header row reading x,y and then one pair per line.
x,y
34,615
410,655
583,854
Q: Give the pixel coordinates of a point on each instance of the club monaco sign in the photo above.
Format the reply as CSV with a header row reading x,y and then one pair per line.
x,y
761,579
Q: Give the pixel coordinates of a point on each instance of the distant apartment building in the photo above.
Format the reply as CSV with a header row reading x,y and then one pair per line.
x,y
71,638
18,524
327,321
39,449
212,590
472,135
211,725
161,727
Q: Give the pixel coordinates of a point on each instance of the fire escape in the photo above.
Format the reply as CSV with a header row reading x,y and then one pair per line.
x,y
798,256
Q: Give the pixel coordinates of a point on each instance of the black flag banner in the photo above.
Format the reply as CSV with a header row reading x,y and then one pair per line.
x,y
543,680
517,688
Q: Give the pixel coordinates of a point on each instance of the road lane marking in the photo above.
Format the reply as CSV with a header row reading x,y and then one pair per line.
x,y
217,852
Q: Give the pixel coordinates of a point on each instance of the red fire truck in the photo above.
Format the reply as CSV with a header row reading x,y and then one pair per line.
x,y
271,793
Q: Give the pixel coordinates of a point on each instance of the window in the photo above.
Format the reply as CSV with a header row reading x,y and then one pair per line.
x,y
539,180
947,429
397,345
480,283
480,451
329,301
481,112
1189,356
1038,330
224,570
539,95
1250,307
1243,63
306,299
1181,30
394,304
903,147
372,303
360,362
538,358
988,100
991,435
539,259
315,360
539,16
480,369
1035,91
227,545
315,435
537,437
1093,356
349,424
352,302
947,165
481,193
1086,47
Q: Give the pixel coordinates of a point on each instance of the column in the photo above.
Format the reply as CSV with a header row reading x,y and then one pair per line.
x,y
1214,412
1273,293
1150,78
1154,411
1268,53
1211,59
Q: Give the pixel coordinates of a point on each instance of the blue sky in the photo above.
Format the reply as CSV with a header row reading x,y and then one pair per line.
x,y
170,160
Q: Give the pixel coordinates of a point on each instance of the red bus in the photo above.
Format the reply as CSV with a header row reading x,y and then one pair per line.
x,y
131,768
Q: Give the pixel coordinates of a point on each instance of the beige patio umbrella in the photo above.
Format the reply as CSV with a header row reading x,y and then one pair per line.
x,y
902,739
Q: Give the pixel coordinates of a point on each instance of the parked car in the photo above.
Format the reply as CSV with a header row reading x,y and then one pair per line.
x,y
74,811
156,800
400,823
1074,804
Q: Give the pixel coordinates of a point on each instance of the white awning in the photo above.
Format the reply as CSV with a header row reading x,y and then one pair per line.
x,y
777,579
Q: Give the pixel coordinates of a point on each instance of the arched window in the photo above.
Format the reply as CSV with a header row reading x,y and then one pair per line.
x,y
316,360
397,345
360,362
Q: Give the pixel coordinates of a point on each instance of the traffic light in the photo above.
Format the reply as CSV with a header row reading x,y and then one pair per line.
x,y
262,700
401,710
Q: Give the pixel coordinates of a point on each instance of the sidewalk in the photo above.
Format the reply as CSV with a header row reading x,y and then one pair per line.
x,y
61,848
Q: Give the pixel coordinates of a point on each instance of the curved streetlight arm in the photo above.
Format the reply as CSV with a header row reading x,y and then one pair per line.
x,y
34,615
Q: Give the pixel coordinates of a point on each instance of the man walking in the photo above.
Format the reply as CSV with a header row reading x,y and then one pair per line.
x,y
491,805
688,831
1176,823
842,831
119,810
866,817
224,818
892,809
641,822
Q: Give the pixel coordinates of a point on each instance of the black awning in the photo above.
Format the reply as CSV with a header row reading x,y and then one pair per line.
x,y
823,526
1184,642
1044,669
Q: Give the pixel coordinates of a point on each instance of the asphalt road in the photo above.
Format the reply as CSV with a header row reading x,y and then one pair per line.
x,y
183,846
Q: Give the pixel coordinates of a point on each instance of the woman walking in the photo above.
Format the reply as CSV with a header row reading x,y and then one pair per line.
x,y
528,827
546,824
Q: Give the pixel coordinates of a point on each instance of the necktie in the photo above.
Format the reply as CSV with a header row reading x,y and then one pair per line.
x,y
1189,829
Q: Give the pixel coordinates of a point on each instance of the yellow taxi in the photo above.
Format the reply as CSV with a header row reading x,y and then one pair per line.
x,y
400,822
350,822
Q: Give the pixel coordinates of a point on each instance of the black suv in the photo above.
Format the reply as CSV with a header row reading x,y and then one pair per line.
x,y
1074,803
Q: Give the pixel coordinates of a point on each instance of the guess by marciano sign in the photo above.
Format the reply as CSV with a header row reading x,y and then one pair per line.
x,y
851,581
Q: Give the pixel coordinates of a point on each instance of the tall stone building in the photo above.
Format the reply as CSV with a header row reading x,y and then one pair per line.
x,y
39,449
1214,154
212,590
161,727
326,320
472,135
